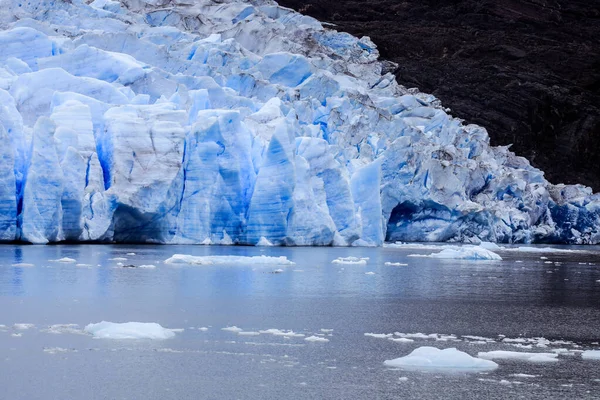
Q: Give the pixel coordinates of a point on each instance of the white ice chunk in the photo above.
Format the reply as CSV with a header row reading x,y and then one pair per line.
x,y
225,260
316,339
463,253
129,330
515,355
591,355
350,261
430,358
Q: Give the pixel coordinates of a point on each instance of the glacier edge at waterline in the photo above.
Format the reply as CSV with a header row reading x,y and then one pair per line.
x,y
176,121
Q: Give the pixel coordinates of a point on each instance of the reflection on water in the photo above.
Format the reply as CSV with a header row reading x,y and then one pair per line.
x,y
562,279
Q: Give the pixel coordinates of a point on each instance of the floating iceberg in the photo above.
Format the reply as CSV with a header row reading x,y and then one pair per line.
x,y
224,260
430,358
516,355
351,260
129,330
316,339
139,121
463,253
591,355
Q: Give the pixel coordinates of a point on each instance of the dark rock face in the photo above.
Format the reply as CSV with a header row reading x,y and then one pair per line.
x,y
527,70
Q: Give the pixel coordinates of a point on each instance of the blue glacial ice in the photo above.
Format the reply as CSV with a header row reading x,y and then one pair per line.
x,y
170,121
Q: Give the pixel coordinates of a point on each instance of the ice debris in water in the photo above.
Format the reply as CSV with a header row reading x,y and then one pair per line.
x,y
463,253
351,260
430,358
316,339
515,355
232,329
23,327
65,260
129,330
591,355
278,332
395,264
133,121
224,260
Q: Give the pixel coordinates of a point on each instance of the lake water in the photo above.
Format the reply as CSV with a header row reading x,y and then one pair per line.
x,y
522,297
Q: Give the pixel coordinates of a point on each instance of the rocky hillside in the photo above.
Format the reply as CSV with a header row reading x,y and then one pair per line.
x,y
527,70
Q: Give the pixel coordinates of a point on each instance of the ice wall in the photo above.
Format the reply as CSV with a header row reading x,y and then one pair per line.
x,y
169,121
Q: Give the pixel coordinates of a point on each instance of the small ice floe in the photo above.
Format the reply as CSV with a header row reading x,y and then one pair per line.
x,y
180,259
118,259
168,350
264,242
58,329
370,273
350,260
16,335
379,335
278,332
417,335
65,260
23,265
543,258
248,333
147,266
56,350
591,355
129,330
403,379
401,340
203,329
130,254
474,253
516,355
232,329
277,271
23,327
326,330
529,249
432,359
316,339
395,264
523,375
83,265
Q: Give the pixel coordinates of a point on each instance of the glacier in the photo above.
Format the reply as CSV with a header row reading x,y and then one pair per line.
x,y
233,122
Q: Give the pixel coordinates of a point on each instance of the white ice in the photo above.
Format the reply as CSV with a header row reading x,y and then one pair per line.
x,y
521,356
591,355
129,330
181,259
350,261
432,359
463,253
316,339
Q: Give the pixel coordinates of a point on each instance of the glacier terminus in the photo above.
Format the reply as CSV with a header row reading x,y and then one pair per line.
x,y
233,122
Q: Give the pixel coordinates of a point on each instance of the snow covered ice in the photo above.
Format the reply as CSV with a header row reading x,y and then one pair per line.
x,y
430,358
129,330
463,253
137,121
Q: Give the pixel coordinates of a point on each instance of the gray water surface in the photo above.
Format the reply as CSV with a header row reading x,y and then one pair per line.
x,y
557,298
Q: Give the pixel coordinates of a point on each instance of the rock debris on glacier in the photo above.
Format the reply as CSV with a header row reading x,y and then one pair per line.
x,y
170,121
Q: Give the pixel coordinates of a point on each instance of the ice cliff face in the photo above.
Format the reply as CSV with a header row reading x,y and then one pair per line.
x,y
180,121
